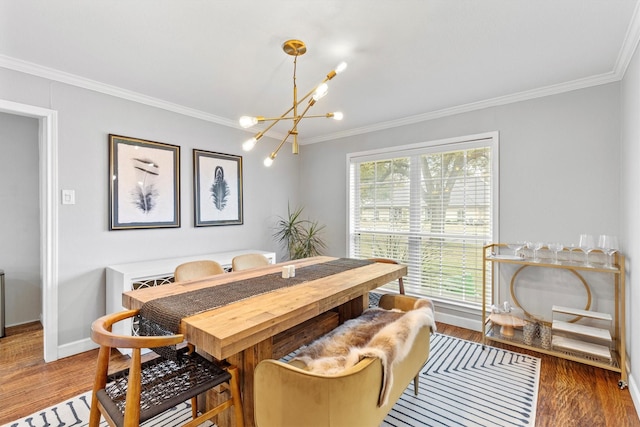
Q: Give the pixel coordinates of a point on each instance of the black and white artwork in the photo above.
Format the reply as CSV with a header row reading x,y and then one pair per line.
x,y
217,188
144,184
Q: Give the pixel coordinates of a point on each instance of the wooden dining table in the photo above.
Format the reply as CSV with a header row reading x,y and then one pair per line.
x,y
270,324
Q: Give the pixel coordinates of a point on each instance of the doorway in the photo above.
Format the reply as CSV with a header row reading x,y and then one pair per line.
x,y
47,148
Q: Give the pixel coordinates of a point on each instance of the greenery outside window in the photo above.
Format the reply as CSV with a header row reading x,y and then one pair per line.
x,y
431,206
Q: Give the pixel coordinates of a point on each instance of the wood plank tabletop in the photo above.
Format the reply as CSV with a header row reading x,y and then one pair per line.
x,y
229,329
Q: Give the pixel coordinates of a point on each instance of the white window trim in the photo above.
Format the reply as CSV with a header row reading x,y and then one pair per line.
x,y
458,314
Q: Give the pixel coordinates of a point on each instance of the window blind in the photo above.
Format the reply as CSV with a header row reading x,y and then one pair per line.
x,y
429,207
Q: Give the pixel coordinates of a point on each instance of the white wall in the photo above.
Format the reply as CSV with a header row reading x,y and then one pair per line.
x,y
85,118
630,208
20,224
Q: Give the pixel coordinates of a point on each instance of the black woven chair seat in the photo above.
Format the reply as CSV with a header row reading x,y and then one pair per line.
x,y
165,383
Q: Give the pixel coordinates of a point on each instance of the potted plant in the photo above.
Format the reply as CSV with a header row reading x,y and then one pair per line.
x,y
299,236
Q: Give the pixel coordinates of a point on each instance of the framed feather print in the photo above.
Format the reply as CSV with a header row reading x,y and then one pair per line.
x,y
144,184
217,187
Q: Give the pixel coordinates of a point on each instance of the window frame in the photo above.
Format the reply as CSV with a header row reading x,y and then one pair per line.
x,y
488,139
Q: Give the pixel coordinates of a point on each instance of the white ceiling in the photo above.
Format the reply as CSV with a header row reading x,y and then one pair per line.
x,y
408,59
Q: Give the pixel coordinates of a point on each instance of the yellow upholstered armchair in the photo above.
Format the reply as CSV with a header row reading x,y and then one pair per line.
x,y
288,396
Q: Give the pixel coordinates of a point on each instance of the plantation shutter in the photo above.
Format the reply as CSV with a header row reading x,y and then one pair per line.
x,y
430,208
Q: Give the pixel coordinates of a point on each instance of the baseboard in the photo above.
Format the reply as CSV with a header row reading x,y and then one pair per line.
x,y
76,347
459,321
26,322
635,393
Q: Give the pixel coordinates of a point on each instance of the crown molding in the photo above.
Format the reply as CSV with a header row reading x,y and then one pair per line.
x,y
629,44
74,80
493,102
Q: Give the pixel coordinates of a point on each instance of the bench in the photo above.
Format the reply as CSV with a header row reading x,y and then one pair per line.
x,y
289,395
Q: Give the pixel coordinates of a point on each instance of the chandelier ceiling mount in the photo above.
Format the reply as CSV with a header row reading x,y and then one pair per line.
x,y
294,47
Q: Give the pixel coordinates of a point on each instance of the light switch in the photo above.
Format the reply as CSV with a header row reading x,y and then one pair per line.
x,y
68,197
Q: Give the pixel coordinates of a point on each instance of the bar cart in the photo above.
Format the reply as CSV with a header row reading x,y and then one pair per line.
x,y
570,333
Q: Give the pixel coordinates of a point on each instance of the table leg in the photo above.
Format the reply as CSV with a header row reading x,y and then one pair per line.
x,y
246,363
354,308
252,356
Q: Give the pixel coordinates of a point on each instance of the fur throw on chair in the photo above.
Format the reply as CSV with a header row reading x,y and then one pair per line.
x,y
385,334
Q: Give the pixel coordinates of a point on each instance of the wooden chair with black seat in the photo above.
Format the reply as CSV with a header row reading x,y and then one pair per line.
x,y
246,261
147,389
391,261
196,269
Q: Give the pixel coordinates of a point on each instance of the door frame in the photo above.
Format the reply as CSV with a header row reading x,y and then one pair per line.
x,y
48,166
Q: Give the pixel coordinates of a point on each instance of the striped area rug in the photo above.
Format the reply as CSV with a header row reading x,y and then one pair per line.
x,y
461,385
75,412
464,385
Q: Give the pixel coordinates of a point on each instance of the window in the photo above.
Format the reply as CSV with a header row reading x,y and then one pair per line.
x,y
430,206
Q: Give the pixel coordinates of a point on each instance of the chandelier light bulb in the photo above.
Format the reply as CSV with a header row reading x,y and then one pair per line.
x,y
320,91
341,67
337,115
268,161
247,121
249,144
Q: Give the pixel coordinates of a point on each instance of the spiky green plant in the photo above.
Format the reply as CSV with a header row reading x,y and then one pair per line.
x,y
299,236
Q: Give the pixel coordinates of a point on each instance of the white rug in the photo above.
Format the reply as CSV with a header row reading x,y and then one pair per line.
x,y
461,385
464,385
75,412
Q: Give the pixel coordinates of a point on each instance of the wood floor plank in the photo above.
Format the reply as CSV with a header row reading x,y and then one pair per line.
x,y
570,394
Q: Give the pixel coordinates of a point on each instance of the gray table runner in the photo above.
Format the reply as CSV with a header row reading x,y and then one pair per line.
x,y
164,314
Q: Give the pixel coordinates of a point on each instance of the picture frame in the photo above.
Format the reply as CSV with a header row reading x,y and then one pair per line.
x,y
144,184
217,189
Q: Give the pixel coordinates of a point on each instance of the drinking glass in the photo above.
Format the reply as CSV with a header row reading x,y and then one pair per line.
x,y
609,245
587,246
555,248
535,247
572,248
515,247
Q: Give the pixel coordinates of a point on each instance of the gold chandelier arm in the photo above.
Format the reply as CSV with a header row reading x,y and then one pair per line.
x,y
275,152
268,119
316,116
314,89
293,130
275,120
284,115
297,120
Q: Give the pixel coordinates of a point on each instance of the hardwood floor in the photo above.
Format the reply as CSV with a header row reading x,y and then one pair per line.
x,y
570,394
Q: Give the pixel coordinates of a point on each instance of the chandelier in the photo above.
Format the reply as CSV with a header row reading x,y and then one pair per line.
x,y
294,48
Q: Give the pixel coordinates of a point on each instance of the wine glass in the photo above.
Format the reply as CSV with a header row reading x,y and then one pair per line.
x,y
515,247
535,247
572,248
555,248
587,246
609,245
